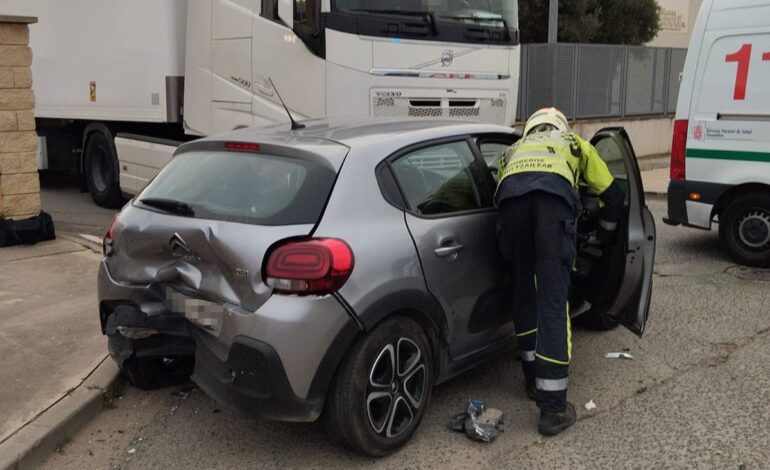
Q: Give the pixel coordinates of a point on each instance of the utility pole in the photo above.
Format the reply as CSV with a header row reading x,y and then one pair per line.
x,y
553,52
553,21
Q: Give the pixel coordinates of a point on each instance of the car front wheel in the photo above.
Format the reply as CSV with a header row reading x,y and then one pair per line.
x,y
383,388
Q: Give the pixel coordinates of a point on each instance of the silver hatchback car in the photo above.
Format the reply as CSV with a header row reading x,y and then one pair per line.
x,y
342,269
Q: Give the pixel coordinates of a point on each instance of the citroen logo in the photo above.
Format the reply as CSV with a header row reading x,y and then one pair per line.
x,y
180,250
447,57
178,245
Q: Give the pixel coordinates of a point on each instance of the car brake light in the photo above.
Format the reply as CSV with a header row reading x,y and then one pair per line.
x,y
678,149
242,147
109,236
318,266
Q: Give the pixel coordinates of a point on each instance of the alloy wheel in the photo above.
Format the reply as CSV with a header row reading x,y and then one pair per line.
x,y
395,389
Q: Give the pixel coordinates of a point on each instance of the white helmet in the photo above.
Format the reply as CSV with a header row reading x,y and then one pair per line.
x,y
550,116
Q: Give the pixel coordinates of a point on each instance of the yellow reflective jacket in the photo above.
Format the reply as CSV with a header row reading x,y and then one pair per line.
x,y
562,153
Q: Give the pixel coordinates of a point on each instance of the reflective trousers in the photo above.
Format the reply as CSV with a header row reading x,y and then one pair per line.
x,y
538,239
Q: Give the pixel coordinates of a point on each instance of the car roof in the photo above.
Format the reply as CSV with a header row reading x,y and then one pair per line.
x,y
385,134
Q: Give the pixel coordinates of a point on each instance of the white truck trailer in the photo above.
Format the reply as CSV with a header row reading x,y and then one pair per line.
x,y
119,84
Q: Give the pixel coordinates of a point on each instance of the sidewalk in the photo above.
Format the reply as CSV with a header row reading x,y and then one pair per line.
x,y
656,181
50,338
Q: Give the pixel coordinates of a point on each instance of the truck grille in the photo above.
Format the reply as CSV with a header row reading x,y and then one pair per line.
x,y
490,110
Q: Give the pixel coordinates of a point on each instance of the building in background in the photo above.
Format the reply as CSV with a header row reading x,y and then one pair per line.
x,y
677,17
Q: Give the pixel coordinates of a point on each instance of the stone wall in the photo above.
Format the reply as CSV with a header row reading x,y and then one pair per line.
x,y
19,181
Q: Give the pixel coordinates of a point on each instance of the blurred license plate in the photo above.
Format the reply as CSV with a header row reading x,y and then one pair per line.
x,y
208,315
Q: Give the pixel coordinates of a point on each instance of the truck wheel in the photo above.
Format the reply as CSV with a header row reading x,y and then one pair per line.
x,y
744,229
382,388
101,167
150,373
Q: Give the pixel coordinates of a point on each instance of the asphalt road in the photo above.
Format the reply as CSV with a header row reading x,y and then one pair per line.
x,y
695,396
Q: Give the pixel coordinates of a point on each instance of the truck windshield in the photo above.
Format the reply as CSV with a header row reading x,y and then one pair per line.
x,y
480,12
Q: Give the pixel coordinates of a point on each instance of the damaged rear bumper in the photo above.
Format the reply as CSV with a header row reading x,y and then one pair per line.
x,y
286,379
170,334
249,379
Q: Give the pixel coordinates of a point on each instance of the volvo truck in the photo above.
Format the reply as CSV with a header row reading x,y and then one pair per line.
x,y
119,84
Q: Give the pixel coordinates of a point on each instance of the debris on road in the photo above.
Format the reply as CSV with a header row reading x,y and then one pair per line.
x,y
479,422
590,406
619,355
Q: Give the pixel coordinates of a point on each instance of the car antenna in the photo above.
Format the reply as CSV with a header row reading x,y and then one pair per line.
x,y
294,124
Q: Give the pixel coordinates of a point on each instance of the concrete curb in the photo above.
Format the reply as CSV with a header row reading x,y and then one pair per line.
x,y
81,240
33,442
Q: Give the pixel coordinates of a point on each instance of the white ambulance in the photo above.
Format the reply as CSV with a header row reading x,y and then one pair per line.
x,y
720,158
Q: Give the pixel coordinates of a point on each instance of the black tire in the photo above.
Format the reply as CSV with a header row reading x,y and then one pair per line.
x,y
597,320
150,373
361,413
744,229
101,169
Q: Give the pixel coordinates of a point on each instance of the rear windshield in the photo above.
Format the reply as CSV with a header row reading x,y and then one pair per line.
x,y
243,187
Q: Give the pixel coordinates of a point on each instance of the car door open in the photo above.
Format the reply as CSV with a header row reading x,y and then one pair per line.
x,y
617,280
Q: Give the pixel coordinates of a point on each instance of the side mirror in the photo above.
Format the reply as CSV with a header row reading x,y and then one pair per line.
x,y
286,12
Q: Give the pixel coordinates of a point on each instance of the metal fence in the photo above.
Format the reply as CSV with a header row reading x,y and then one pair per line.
x,y
598,80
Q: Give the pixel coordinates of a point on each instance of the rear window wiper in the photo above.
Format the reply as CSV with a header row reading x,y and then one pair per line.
x,y
429,15
169,205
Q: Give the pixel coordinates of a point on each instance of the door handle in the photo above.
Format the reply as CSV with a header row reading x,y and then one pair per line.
x,y
445,251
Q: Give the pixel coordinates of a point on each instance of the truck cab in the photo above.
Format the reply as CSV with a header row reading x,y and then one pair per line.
x,y
409,58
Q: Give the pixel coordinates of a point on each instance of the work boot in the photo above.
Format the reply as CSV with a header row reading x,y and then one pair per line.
x,y
552,424
531,390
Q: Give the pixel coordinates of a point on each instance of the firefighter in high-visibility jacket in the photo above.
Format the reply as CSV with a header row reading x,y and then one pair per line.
x,y
538,198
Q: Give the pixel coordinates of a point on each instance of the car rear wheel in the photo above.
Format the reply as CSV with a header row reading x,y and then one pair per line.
x,y
382,388
744,229
150,373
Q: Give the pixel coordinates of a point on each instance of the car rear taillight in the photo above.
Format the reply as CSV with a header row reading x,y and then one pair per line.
x,y
678,149
318,266
109,235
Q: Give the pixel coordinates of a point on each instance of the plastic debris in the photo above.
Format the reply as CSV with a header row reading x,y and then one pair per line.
x,y
131,451
618,355
478,422
590,406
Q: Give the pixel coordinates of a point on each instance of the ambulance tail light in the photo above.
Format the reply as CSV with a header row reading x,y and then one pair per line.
x,y
678,149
